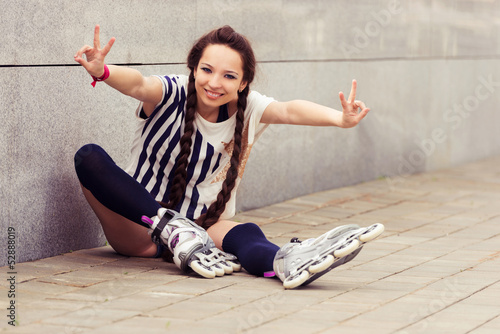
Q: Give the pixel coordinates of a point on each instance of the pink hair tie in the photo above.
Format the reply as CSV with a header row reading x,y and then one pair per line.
x,y
102,78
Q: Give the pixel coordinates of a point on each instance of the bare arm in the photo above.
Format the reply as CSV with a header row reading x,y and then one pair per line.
x,y
132,83
126,80
302,112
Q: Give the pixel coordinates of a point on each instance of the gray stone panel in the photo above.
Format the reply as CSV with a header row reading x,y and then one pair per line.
x,y
410,128
53,111
427,69
148,31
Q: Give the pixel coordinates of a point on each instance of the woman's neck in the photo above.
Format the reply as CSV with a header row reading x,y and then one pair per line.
x,y
212,114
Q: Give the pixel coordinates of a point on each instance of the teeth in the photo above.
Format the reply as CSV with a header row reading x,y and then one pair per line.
x,y
213,94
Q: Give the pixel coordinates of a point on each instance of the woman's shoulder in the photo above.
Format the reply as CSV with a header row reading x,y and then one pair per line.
x,y
173,83
256,99
177,79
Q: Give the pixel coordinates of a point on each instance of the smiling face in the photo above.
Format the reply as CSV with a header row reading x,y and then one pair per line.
x,y
218,78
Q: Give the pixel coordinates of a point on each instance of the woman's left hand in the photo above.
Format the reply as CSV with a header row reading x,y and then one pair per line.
x,y
350,115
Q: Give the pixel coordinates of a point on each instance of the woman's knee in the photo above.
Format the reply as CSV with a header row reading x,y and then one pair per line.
x,y
219,230
85,153
87,160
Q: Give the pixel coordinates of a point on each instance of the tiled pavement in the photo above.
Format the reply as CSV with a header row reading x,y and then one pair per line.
x,y
436,269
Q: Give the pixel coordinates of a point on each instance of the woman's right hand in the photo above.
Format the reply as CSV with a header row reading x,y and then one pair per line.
x,y
94,62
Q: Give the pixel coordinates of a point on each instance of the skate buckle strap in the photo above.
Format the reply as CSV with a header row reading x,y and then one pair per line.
x,y
173,238
155,236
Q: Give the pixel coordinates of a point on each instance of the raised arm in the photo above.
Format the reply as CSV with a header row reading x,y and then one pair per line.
x,y
301,112
126,80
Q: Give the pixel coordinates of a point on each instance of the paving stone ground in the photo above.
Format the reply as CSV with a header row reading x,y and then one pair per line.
x,y
436,269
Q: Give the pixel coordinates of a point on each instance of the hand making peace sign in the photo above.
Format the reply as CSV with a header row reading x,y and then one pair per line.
x,y
350,115
94,62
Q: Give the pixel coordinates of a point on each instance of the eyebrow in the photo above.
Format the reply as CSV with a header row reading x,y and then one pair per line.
x,y
227,71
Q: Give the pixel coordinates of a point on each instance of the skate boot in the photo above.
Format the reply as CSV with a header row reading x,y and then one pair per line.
x,y
299,263
190,244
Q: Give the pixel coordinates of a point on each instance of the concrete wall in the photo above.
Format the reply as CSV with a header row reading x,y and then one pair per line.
x,y
428,70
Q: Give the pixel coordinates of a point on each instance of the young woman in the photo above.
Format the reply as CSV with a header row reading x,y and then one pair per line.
x,y
192,142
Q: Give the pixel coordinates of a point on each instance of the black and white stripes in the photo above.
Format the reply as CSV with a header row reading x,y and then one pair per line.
x,y
156,148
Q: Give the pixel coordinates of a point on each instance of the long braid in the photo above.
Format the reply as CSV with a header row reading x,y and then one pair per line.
x,y
216,209
224,36
179,180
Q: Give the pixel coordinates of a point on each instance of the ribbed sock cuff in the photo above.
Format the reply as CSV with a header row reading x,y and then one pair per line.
x,y
251,247
240,235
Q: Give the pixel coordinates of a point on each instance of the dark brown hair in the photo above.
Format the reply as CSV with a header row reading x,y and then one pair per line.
x,y
228,37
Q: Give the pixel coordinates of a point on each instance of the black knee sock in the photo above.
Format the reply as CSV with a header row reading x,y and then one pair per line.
x,y
250,245
112,186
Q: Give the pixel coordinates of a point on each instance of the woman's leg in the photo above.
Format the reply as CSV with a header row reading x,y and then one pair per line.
x,y
125,236
118,200
112,186
248,243
219,230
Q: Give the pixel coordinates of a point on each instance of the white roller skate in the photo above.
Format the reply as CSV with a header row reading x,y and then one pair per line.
x,y
190,244
299,263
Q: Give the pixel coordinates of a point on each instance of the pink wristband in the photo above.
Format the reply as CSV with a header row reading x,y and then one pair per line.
x,y
104,76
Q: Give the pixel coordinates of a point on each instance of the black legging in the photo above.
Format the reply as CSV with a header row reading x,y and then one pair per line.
x,y
112,186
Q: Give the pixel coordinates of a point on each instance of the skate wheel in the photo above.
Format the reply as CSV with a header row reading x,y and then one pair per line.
x,y
219,271
202,270
228,269
295,281
324,263
236,265
372,232
347,249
